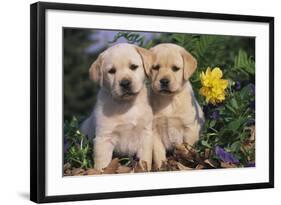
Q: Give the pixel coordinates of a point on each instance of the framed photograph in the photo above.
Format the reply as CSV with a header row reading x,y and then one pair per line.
x,y
129,102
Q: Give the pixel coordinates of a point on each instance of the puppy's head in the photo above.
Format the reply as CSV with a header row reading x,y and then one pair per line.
x,y
171,68
121,69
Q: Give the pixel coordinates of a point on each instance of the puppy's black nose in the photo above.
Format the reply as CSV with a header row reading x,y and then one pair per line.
x,y
164,81
125,83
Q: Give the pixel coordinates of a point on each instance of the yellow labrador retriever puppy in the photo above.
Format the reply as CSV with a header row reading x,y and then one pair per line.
x,y
122,117
177,115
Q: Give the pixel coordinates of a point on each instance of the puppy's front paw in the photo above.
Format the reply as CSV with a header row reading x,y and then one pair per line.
x,y
112,167
159,164
100,164
142,166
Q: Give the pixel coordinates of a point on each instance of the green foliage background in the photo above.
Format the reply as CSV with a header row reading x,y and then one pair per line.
x,y
230,129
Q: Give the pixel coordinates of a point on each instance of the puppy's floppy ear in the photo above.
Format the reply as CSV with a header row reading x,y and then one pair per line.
x,y
147,59
189,64
95,70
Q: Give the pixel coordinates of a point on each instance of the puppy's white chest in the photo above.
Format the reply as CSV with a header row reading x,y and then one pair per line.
x,y
129,133
128,138
170,129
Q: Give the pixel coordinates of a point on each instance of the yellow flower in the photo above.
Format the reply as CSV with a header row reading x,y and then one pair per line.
x,y
213,86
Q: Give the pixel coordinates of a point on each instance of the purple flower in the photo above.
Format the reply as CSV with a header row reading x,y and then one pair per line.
x,y
212,111
238,85
215,115
225,156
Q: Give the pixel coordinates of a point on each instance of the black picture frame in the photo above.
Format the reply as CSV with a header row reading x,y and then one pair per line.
x,y
38,100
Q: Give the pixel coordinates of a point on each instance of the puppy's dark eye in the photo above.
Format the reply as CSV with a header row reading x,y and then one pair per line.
x,y
133,67
175,68
156,67
112,71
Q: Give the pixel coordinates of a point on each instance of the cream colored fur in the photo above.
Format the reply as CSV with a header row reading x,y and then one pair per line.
x,y
121,123
177,116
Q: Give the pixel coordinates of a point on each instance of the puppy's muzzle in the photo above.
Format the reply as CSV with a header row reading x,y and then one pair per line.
x,y
126,88
164,83
125,84
164,86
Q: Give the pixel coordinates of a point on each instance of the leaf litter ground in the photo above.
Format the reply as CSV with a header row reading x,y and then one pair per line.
x,y
182,157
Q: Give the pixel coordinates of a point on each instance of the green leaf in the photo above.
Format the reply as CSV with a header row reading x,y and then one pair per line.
x,y
230,108
235,146
245,91
234,103
212,123
206,144
131,37
244,63
149,44
179,38
234,125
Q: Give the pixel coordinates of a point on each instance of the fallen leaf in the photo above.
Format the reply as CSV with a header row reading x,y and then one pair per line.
x,y
77,172
92,172
66,166
67,172
253,133
123,169
228,165
207,153
172,165
112,167
182,167
199,166
210,163
182,151
172,162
